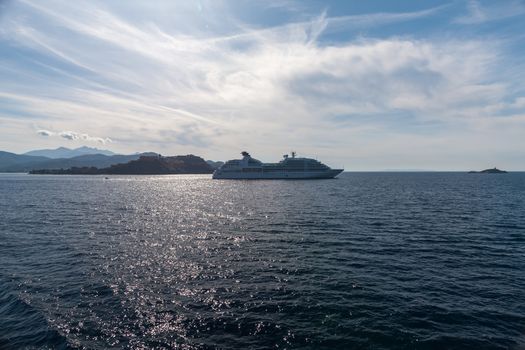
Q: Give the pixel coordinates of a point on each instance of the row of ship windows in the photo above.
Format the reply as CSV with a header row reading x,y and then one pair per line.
x,y
294,169
288,164
259,170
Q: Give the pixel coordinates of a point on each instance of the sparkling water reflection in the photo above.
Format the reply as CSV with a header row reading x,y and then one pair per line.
x,y
369,260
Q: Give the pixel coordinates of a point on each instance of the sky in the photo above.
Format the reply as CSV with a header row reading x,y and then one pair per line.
x,y
368,85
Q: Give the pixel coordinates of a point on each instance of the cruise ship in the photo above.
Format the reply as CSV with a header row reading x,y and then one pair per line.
x,y
288,168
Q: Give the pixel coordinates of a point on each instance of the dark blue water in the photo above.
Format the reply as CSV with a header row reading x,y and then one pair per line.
x,y
366,261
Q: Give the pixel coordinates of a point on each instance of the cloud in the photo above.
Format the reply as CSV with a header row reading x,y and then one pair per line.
x,y
71,135
478,13
74,136
45,133
245,86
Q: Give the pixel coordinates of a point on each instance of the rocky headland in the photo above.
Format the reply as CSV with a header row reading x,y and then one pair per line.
x,y
489,171
145,165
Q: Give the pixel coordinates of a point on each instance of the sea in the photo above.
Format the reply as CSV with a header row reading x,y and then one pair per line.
x,y
378,260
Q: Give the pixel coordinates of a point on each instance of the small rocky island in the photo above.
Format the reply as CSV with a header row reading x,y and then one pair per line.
x,y
489,171
145,165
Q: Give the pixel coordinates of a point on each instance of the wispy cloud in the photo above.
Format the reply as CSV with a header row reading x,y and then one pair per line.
x,y
378,19
478,13
262,88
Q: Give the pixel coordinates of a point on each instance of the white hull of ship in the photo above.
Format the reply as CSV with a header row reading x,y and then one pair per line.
x,y
275,175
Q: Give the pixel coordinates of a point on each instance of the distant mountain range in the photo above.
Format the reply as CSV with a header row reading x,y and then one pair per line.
x,y
80,157
63,152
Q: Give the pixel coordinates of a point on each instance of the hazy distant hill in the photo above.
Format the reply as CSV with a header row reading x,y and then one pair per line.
x,y
89,160
10,162
8,159
215,164
63,152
